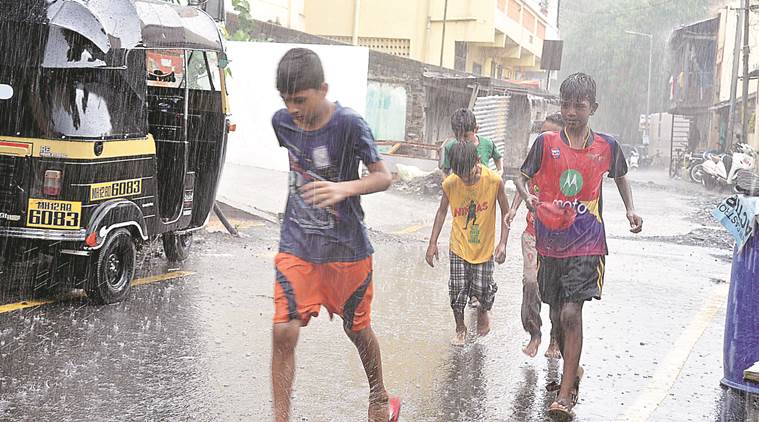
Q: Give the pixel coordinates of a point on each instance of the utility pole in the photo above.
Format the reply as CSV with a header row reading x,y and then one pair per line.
x,y
734,80
442,43
646,132
746,80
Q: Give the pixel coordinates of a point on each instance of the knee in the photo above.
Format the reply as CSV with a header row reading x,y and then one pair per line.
x,y
285,336
571,317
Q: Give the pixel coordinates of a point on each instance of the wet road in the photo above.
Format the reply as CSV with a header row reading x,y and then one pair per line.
x,y
197,346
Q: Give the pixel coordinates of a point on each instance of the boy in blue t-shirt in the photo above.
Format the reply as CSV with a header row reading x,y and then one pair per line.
x,y
325,258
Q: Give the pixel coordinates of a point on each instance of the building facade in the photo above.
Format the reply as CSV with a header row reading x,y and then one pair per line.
x,y
502,39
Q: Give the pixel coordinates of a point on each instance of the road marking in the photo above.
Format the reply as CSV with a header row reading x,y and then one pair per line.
x,y
664,378
161,277
22,305
138,282
411,229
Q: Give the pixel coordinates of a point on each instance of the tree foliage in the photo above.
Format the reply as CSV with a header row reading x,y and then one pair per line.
x,y
245,23
595,42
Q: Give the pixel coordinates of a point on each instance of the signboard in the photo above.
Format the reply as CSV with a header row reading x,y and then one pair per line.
x,y
550,59
738,214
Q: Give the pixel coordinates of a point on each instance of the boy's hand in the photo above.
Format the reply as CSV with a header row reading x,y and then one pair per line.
x,y
431,255
636,222
500,253
323,194
510,217
531,202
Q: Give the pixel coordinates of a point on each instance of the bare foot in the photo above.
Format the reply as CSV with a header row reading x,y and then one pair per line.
x,y
483,323
459,339
531,349
553,351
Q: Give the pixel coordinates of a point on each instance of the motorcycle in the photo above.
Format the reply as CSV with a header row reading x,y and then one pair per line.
x,y
694,166
722,170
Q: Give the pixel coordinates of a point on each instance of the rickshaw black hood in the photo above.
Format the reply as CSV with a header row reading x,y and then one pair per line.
x,y
120,24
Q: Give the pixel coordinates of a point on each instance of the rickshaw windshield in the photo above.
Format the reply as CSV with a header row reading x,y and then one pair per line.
x,y
74,103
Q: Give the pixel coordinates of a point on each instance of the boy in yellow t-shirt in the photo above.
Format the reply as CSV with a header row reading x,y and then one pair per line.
x,y
471,193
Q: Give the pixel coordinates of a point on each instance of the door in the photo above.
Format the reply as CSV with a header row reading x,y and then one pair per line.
x,y
167,122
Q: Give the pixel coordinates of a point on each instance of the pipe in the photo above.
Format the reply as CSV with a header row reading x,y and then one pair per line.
x,y
356,17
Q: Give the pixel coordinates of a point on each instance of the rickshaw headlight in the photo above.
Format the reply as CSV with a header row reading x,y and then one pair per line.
x,y
52,184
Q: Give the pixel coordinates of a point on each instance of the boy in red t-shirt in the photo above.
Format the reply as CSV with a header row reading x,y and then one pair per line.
x,y
568,168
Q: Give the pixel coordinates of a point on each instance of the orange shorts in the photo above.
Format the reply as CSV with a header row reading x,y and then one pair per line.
x,y
344,288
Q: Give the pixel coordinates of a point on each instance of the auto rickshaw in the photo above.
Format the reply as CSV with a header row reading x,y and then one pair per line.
x,y
113,132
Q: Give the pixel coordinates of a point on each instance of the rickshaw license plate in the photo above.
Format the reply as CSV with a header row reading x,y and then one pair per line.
x,y
49,214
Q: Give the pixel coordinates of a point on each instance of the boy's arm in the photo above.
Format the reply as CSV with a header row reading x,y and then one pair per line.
x,y
499,165
530,200
437,227
323,194
515,203
636,222
503,202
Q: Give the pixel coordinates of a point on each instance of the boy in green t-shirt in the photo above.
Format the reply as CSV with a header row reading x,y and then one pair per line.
x,y
465,127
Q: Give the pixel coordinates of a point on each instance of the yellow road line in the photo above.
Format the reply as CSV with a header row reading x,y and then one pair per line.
x,y
411,229
664,378
138,282
21,305
161,277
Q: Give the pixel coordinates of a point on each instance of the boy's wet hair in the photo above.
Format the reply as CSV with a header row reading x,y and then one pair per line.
x,y
578,87
463,158
556,119
298,70
463,121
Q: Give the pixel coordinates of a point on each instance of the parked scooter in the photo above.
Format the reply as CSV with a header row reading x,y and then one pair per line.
x,y
720,171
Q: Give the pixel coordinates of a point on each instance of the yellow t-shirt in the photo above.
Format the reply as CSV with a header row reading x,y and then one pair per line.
x,y
473,210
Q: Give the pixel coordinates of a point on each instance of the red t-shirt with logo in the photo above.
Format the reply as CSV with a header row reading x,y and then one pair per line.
x,y
573,178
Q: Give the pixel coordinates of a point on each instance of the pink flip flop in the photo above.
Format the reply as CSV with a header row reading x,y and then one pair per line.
x,y
395,409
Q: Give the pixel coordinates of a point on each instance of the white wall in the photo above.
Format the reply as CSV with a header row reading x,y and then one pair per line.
x,y
254,97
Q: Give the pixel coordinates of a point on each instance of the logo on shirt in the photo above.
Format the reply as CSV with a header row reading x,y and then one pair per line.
x,y
555,153
570,182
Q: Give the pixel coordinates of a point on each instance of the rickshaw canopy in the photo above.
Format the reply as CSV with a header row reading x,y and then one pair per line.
x,y
121,24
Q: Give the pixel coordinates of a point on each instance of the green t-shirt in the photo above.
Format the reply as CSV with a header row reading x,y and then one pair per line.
x,y
486,150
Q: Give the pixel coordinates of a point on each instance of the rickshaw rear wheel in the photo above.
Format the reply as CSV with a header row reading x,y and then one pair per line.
x,y
114,267
177,246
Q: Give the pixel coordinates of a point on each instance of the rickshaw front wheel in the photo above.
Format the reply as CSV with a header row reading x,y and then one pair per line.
x,y
114,267
177,246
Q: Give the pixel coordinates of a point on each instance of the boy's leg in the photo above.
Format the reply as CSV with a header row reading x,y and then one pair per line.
x,y
581,280
571,328
297,282
284,339
482,285
554,348
369,351
531,320
459,292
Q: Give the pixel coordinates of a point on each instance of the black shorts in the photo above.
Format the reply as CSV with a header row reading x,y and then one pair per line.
x,y
572,279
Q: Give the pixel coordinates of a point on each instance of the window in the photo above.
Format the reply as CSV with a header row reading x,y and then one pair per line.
x,y
165,68
477,69
461,48
203,71
515,11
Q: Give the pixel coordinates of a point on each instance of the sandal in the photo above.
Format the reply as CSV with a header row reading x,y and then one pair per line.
x,y
395,409
561,410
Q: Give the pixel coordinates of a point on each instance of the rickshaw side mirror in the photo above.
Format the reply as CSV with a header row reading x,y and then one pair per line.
x,y
223,60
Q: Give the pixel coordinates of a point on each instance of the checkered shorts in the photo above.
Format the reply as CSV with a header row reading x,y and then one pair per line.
x,y
469,280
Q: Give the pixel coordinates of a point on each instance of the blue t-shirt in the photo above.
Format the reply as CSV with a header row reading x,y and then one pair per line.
x,y
332,153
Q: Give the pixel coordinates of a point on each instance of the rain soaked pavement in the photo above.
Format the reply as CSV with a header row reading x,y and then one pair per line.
x,y
197,347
